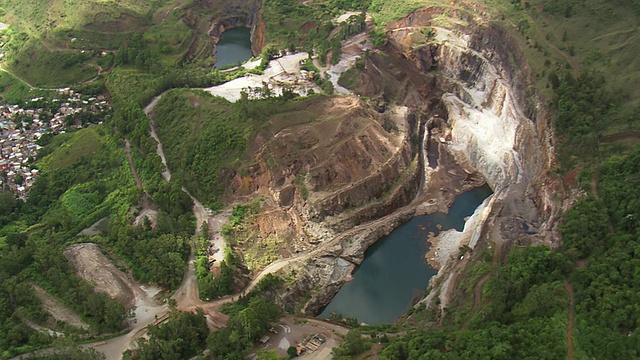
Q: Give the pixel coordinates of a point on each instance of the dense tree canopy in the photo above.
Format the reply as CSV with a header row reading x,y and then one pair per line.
x,y
181,337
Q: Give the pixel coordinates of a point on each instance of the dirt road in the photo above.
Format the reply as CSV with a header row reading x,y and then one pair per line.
x,y
201,213
569,288
291,331
127,149
146,312
166,174
187,296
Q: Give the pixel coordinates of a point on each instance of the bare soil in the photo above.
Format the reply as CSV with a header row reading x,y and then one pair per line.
x,y
94,267
627,135
58,310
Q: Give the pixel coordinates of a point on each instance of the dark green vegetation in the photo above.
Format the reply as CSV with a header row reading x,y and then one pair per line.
x,y
181,337
525,305
249,319
584,57
205,143
223,283
65,199
156,256
85,178
526,317
353,344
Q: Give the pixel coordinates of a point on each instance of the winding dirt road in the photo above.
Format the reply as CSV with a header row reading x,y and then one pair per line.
x,y
187,295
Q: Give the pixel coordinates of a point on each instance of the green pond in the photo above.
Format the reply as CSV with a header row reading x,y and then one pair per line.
x,y
234,47
394,272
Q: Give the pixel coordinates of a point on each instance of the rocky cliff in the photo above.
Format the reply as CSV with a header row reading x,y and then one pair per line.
x,y
339,172
472,82
214,18
497,125
242,13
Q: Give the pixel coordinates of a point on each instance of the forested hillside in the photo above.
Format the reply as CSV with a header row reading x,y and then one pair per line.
x,y
578,301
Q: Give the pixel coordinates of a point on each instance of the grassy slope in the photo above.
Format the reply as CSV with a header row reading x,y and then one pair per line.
x,y
206,139
70,147
60,42
595,35
60,15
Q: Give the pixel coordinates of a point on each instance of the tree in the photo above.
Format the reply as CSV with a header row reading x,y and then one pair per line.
x,y
292,352
7,203
353,344
181,337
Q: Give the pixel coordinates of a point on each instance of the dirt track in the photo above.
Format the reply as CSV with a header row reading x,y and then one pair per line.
x,y
187,296
569,288
91,265
127,149
58,310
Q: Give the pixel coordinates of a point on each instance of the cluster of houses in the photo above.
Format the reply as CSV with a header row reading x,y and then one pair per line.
x,y
22,126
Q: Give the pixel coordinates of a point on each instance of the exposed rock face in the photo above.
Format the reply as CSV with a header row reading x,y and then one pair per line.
x,y
258,34
344,157
498,126
494,124
489,114
242,13
497,123
214,18
341,172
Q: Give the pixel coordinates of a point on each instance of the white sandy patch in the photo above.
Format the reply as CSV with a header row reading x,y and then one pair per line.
x,y
447,244
217,239
284,344
249,65
285,72
342,18
281,72
352,49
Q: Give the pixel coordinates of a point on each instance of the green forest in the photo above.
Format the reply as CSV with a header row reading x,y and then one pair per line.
x,y
525,313
583,57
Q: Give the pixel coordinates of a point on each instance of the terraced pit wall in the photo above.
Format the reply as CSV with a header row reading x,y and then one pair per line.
x,y
495,123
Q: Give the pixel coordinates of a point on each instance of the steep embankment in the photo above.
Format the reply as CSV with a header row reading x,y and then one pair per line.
x,y
469,85
217,17
498,126
337,173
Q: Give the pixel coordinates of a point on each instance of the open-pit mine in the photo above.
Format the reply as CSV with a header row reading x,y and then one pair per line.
x,y
428,118
439,110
